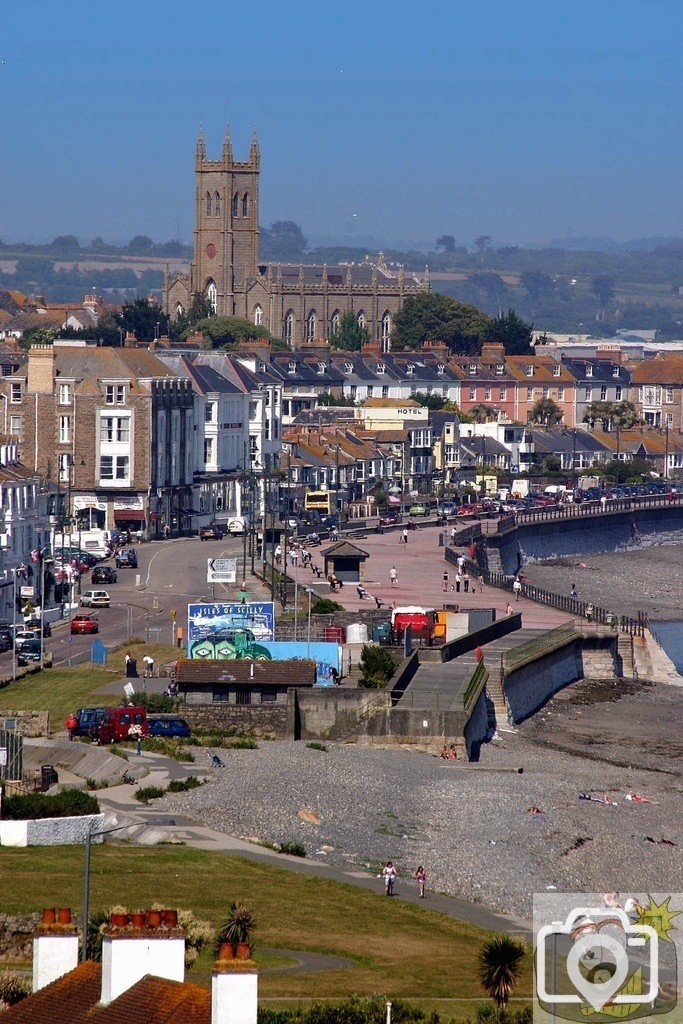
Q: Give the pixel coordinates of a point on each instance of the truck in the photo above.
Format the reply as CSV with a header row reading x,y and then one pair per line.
x,y
422,622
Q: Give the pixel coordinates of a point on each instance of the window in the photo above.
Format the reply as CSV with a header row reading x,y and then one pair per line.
x,y
258,315
335,321
64,430
64,394
587,393
208,450
115,467
529,394
245,204
354,391
529,370
473,367
669,419
615,372
322,367
589,370
15,392
361,320
669,395
289,327
291,367
546,391
115,394
64,467
500,368
441,368
385,391
310,325
560,394
473,394
179,310
348,367
410,369
208,204
115,428
381,368
217,204
603,393
503,394
235,204
15,425
557,370
487,394
210,412
268,696
386,326
221,695
617,392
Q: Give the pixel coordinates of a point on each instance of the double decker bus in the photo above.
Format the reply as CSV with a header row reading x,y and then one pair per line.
x,y
318,501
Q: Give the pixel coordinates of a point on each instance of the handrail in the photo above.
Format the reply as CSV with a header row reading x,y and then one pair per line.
x,y
473,683
594,508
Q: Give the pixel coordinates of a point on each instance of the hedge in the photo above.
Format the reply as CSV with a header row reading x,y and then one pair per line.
x,y
69,803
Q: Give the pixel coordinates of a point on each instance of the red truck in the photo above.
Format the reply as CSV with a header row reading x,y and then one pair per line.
x,y
420,620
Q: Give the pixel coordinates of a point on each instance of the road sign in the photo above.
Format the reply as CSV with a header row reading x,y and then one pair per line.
x,y
155,604
221,570
28,592
173,614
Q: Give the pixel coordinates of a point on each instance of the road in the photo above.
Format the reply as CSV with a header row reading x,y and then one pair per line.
x,y
171,573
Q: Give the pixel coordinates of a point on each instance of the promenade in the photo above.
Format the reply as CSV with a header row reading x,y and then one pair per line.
x,y
420,565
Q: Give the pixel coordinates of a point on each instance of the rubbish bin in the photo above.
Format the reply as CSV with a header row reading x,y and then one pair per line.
x,y
48,776
132,669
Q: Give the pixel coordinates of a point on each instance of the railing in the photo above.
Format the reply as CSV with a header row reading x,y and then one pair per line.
x,y
595,508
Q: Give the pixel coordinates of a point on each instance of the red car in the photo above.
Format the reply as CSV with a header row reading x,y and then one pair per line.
x,y
468,510
84,624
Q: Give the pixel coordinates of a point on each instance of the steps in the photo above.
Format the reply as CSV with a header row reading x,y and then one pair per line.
x,y
496,705
625,655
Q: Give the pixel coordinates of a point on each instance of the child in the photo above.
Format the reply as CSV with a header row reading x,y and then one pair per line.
x,y
421,876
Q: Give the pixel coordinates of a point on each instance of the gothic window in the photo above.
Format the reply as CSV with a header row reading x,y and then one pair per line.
x,y
289,327
217,204
212,294
208,204
258,315
362,320
179,310
386,326
335,321
310,326
245,204
235,204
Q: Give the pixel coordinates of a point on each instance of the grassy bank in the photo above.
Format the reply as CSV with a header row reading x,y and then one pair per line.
x,y
399,949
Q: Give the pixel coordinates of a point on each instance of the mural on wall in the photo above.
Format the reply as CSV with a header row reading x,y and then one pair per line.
x,y
327,657
227,631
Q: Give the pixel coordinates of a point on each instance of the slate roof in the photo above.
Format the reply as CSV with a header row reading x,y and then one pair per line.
x,y
602,371
206,380
344,549
208,672
88,364
559,440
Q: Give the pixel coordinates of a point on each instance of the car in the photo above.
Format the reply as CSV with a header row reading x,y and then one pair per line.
x,y
34,626
169,727
448,508
211,532
116,723
467,510
5,642
127,558
104,574
29,653
22,636
95,599
88,720
418,509
83,623
388,516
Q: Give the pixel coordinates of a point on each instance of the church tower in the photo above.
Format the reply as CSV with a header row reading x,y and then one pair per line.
x,y
226,234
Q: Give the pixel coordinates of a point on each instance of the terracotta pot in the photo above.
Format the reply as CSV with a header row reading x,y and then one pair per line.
x,y
153,918
243,951
64,915
138,919
169,918
49,916
226,951
118,920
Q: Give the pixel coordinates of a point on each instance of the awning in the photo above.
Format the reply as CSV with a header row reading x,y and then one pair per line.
x,y
129,515
191,512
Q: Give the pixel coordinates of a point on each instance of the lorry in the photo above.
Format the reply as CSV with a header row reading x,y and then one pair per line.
x,y
422,622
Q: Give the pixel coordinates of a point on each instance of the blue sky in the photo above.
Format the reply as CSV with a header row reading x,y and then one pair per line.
x,y
519,119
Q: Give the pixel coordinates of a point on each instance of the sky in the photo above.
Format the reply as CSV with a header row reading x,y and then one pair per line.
x,y
391,122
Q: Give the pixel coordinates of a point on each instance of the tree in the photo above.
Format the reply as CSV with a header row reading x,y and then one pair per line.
x,y
537,284
349,335
283,240
141,318
377,667
200,309
38,336
229,330
435,402
625,415
546,412
65,243
430,316
599,412
141,245
512,332
482,413
447,243
500,962
602,287
482,243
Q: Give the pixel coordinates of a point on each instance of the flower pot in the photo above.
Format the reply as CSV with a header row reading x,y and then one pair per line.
x,y
226,951
243,951
137,919
169,918
64,915
153,918
118,920
49,916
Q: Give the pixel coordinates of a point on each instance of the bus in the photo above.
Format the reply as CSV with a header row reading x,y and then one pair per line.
x,y
318,501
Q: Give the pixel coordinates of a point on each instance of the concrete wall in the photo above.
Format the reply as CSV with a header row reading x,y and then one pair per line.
x,y
329,714
427,730
477,727
530,687
50,831
257,719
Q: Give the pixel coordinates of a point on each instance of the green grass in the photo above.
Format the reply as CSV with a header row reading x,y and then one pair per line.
x,y
318,746
399,949
62,690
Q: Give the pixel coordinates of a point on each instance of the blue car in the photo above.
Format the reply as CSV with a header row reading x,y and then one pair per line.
x,y
169,728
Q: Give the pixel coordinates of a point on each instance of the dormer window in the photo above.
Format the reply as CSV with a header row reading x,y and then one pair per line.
x,y
291,368
261,367
530,370
615,372
473,367
322,367
381,368
557,370
348,367
500,368
441,368
589,370
410,369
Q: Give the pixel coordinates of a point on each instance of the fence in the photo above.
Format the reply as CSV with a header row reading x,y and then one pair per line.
x,y
594,508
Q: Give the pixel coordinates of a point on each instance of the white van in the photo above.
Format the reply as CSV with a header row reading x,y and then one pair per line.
x,y
95,599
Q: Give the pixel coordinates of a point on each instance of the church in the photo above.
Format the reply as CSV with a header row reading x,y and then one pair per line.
x,y
299,303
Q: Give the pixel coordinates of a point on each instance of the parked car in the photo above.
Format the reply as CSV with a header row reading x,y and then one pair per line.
x,y
95,599
169,727
418,509
22,635
34,626
127,558
88,720
28,653
84,623
389,515
116,723
5,642
211,532
448,508
104,574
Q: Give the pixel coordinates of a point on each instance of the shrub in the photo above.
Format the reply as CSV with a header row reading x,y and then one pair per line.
x,y
238,926
172,747
68,803
293,849
317,746
323,606
13,988
157,703
147,793
182,785
377,667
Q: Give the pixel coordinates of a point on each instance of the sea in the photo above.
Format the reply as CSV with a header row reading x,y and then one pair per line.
x,y
670,636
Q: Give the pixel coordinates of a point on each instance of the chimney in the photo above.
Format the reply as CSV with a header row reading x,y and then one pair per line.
x,y
137,944
492,352
41,369
55,947
234,988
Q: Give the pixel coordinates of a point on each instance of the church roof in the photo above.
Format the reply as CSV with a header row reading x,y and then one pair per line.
x,y
360,274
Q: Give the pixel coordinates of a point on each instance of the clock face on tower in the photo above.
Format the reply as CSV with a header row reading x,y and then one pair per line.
x,y
211,250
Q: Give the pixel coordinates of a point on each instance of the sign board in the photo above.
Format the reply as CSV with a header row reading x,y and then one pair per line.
x,y
28,591
221,570
211,628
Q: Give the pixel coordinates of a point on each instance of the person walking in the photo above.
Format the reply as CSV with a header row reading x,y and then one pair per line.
x,y
465,581
149,666
589,612
461,562
454,534
574,592
389,875
458,581
403,539
508,609
393,576
603,502
517,589
421,876
71,726
444,581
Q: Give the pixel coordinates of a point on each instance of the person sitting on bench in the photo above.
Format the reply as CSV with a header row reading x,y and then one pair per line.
x,y
362,592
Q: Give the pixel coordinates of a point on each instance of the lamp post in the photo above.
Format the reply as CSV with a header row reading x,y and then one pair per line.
x,y
666,451
89,836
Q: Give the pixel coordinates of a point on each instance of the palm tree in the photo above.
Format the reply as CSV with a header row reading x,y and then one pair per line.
x,y
482,413
500,960
547,412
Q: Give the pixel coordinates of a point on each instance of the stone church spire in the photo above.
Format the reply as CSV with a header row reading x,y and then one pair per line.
x,y
200,149
227,145
255,151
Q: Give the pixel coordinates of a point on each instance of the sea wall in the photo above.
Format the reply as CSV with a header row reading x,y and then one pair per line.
x,y
606,531
51,831
530,686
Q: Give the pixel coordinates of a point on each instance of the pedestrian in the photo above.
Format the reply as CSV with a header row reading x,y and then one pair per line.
x,y
508,609
466,581
461,562
589,612
458,581
294,558
421,876
404,536
393,576
71,726
389,875
454,534
149,666
444,581
167,532
574,591
278,554
135,733
603,502
517,589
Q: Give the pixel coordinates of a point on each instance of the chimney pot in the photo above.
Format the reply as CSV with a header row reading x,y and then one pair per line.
x,y
49,916
169,918
153,918
64,916
137,919
118,920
